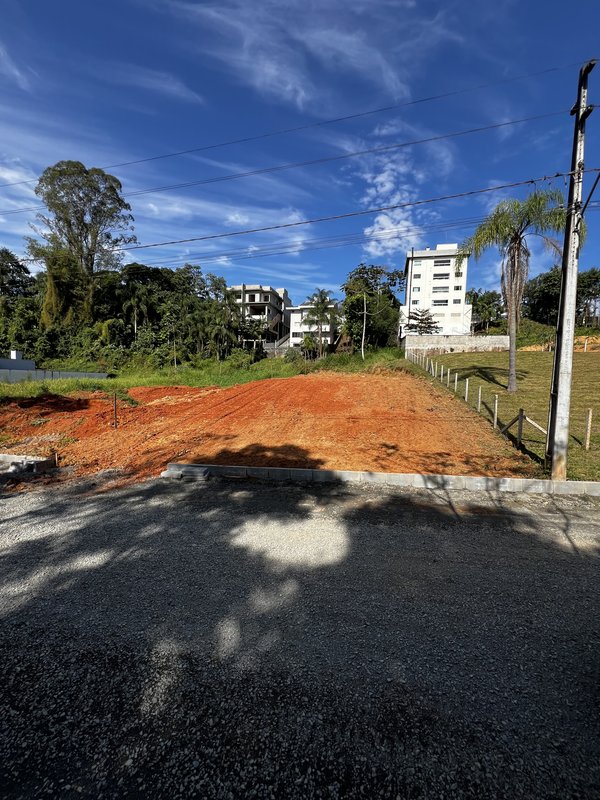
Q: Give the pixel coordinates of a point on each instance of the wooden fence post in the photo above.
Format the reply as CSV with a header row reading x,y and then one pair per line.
x,y
466,390
455,381
448,378
442,373
520,427
435,373
479,400
588,429
495,411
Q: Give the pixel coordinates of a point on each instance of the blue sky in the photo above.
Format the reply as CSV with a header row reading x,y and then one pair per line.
x,y
128,79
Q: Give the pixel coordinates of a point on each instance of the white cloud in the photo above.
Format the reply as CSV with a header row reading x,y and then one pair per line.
x,y
11,71
152,80
297,50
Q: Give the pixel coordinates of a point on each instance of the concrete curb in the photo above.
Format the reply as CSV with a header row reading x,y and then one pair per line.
x,y
203,472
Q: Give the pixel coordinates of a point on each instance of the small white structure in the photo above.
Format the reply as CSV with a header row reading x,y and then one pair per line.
x,y
299,327
435,282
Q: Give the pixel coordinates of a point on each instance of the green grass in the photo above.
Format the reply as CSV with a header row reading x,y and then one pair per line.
x,y
213,374
534,370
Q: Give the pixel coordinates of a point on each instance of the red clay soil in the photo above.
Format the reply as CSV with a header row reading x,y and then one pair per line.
x,y
392,422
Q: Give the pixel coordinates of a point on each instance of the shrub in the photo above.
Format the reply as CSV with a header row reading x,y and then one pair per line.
x,y
293,355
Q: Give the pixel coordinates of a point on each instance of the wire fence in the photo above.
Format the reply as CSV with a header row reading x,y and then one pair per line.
x,y
485,405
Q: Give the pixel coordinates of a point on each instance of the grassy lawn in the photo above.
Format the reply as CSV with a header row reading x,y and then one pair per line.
x,y
490,371
213,374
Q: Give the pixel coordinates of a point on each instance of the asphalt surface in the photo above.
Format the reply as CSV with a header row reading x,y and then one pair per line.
x,y
245,640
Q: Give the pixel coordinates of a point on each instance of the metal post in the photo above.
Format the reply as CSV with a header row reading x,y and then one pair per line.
x,y
520,426
448,378
455,381
560,396
588,429
442,373
466,390
479,400
495,411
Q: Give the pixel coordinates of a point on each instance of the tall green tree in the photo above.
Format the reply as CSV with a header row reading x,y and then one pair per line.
x,y
509,227
323,312
487,306
86,215
371,307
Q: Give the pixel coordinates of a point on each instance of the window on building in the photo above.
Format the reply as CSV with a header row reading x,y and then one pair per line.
x,y
455,315
251,298
440,289
416,276
417,262
442,262
441,276
458,274
237,295
415,302
266,298
440,302
297,335
456,301
416,288
457,288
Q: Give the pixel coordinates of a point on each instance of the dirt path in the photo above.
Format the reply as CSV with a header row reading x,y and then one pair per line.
x,y
382,423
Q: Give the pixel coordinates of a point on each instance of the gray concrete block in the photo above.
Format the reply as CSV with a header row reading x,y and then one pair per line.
x,y
279,473
301,475
257,472
323,475
536,486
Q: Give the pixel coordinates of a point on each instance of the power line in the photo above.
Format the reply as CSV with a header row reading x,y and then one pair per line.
x,y
321,123
349,214
319,243
314,161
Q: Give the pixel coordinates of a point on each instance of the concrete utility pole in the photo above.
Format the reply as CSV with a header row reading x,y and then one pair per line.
x,y
560,394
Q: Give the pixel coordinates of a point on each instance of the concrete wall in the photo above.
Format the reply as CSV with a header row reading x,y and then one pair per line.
x,y
17,375
436,344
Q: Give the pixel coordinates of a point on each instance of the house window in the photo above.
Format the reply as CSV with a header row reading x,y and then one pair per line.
x,y
266,298
440,302
439,289
442,262
455,315
417,263
416,276
238,295
458,274
251,298
297,335
415,302
457,288
416,289
456,301
441,276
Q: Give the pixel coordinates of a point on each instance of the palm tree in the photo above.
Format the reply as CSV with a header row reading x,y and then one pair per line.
x,y
508,228
322,312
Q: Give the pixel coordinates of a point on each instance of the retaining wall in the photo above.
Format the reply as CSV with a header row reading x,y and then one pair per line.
x,y
436,343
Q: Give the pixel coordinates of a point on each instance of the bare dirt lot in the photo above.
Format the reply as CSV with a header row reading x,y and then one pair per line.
x,y
391,422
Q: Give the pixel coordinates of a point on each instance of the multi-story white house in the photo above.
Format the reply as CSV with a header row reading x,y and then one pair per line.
x,y
265,304
299,328
435,282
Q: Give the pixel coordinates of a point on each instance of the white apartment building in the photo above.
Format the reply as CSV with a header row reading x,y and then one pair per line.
x,y
435,282
299,328
265,304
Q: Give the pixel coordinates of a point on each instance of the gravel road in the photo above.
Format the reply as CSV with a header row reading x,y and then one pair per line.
x,y
236,640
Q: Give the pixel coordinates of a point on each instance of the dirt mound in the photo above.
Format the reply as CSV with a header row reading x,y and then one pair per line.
x,y
380,423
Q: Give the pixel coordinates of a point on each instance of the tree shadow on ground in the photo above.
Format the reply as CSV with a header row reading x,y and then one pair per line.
x,y
495,375
47,403
237,639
